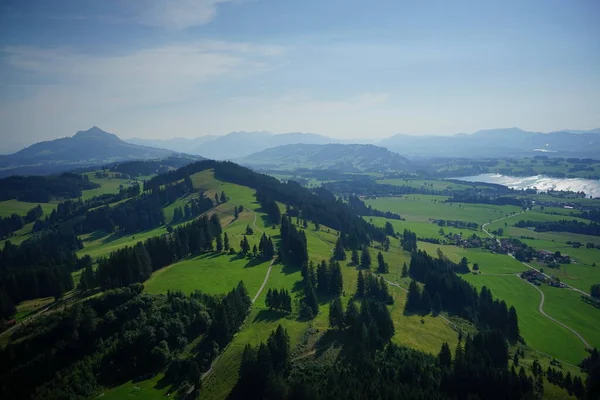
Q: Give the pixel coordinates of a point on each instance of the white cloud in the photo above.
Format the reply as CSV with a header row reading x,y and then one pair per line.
x,y
177,14
81,89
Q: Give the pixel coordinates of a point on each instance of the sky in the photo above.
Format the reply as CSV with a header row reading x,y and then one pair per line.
x,y
160,69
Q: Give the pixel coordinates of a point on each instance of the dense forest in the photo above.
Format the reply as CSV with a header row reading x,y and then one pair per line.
x,y
42,189
123,334
564,225
39,267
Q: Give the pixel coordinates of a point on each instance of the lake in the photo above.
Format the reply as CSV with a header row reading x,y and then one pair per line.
x,y
542,183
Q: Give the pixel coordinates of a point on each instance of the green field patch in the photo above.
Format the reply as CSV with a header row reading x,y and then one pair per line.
x,y
539,332
423,207
212,273
109,185
9,207
29,307
424,333
566,306
148,389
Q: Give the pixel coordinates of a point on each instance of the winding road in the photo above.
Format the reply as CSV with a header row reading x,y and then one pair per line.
x,y
541,306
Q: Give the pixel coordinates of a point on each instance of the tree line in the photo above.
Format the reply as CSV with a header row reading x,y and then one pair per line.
x,y
43,189
444,290
133,264
564,225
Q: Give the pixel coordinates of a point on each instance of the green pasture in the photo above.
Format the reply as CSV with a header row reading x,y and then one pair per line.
x,y
9,207
567,306
423,207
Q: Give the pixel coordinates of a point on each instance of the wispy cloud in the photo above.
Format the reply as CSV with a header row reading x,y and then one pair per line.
x,y
92,87
177,14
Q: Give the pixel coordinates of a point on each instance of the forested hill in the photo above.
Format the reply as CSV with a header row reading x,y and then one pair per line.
x,y
91,147
323,207
343,157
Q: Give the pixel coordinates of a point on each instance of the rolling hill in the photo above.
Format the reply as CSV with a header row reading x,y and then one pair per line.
x,y
240,144
85,148
346,157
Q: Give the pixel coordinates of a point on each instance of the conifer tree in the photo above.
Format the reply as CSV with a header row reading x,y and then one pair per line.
x,y
336,314
339,253
225,241
360,285
365,258
354,257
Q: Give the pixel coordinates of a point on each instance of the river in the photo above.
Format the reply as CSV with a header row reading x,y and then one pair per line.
x,y
542,183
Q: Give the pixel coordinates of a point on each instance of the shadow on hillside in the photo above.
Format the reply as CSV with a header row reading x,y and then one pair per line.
x,y
269,316
99,234
254,262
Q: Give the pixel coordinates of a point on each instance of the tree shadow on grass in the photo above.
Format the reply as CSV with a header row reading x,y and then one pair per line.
x,y
253,262
99,234
269,316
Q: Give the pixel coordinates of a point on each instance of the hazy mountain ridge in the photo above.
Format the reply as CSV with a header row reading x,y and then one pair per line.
x,y
90,147
508,142
346,157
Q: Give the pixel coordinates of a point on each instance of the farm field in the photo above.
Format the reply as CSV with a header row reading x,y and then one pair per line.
x,y
423,207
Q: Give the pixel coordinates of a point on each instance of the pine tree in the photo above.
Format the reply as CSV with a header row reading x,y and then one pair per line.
x,y
269,298
336,282
360,285
336,314
513,333
225,241
249,230
365,258
445,356
216,198
223,197
254,250
354,257
382,267
311,299
404,271
219,242
322,277
413,299
437,304
339,253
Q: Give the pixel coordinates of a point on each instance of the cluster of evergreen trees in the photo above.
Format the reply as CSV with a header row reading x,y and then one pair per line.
x,y
191,209
372,287
14,222
270,207
408,241
293,246
135,263
39,267
43,189
329,278
564,225
264,368
444,290
266,249
120,336
279,300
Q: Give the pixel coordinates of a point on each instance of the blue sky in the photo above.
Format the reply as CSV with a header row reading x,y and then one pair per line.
x,y
160,69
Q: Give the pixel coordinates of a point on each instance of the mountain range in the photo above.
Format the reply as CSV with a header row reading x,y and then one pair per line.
x,y
95,146
85,148
346,157
508,142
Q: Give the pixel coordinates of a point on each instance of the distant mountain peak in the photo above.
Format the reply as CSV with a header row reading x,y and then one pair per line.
x,y
95,132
